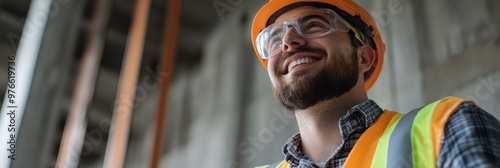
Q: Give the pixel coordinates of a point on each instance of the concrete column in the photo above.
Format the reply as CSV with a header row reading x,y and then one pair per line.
x,y
37,136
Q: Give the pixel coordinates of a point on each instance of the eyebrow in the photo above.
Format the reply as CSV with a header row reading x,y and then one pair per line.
x,y
308,17
276,32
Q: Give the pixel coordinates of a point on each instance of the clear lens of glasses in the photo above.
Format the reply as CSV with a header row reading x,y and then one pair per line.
x,y
308,25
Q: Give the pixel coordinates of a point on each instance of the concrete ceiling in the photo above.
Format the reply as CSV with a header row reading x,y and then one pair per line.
x,y
198,17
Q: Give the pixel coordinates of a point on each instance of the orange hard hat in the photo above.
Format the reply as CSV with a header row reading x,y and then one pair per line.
x,y
347,9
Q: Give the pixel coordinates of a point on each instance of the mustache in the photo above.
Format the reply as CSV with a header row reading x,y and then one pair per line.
x,y
298,50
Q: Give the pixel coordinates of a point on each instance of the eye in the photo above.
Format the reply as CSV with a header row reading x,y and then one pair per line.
x,y
275,44
314,23
275,40
315,26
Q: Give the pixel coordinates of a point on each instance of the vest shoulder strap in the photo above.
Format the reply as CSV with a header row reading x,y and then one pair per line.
x,y
411,140
364,149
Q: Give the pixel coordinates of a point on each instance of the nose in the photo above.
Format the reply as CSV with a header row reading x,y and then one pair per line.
x,y
292,40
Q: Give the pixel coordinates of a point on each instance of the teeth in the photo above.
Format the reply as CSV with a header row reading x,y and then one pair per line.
x,y
298,62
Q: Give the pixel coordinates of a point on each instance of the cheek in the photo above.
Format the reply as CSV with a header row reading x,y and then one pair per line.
x,y
272,64
271,70
338,43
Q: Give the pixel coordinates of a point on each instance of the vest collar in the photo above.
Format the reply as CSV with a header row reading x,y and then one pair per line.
x,y
361,116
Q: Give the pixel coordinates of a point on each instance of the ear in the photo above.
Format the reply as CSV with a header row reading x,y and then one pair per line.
x,y
366,57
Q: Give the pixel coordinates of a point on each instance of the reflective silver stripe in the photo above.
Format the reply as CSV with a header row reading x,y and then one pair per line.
x,y
399,152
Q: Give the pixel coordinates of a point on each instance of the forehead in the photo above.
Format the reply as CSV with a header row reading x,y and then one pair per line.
x,y
294,12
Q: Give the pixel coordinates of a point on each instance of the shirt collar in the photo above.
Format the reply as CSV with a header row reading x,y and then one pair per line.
x,y
362,115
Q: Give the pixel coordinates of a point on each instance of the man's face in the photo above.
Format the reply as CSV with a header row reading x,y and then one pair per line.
x,y
310,70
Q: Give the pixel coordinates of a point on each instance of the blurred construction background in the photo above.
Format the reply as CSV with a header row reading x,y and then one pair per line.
x,y
219,110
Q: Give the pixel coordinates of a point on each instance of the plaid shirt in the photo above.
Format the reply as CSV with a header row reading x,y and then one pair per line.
x,y
471,138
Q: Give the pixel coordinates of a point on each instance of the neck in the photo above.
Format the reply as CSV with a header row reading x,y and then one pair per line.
x,y
319,127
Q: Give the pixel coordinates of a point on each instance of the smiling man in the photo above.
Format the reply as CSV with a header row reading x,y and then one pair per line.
x,y
322,57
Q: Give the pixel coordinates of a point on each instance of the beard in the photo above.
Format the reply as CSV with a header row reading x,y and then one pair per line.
x,y
334,80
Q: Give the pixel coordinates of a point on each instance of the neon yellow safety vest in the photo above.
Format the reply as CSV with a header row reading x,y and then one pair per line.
x,y
396,140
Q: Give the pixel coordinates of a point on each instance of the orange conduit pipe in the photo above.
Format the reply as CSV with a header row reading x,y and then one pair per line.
x,y
169,51
120,124
74,130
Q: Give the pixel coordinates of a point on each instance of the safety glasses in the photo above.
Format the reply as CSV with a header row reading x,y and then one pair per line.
x,y
309,24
